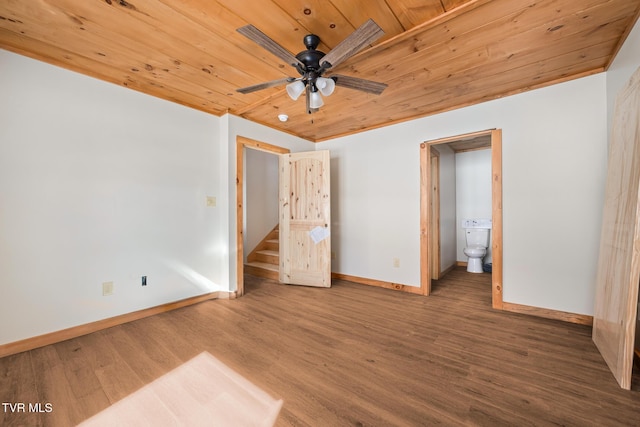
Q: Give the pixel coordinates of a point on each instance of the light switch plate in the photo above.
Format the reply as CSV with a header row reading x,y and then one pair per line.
x,y
107,288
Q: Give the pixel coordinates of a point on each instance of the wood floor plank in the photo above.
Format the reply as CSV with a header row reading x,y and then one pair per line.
x,y
18,385
55,388
348,355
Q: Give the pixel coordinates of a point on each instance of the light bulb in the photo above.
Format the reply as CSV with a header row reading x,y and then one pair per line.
x,y
295,89
315,100
326,86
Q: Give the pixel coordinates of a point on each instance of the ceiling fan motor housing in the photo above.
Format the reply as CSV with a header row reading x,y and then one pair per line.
x,y
310,57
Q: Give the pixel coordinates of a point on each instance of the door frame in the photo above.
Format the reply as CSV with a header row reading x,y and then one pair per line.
x,y
434,203
242,143
496,210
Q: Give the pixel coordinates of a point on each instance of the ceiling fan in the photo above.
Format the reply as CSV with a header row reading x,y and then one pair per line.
x,y
311,64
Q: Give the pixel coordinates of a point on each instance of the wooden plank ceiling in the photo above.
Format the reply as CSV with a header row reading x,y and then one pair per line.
x,y
436,55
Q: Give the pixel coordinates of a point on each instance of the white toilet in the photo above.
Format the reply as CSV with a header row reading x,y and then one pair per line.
x,y
477,239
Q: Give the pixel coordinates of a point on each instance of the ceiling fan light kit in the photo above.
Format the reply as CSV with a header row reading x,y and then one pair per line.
x,y
311,64
315,100
325,86
295,89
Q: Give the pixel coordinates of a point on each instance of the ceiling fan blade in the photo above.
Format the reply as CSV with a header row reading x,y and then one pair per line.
x,y
366,34
265,85
257,36
359,84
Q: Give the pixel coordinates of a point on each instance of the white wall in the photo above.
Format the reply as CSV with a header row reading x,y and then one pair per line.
x,y
261,197
554,150
375,205
473,194
100,183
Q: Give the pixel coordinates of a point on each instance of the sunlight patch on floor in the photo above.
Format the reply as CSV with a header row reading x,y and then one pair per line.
x,y
202,391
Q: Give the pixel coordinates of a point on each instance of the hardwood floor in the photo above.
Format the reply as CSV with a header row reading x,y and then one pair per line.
x,y
349,355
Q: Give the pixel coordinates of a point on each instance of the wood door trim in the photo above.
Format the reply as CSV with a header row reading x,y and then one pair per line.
x,y
434,155
496,213
261,146
496,210
465,136
242,143
425,219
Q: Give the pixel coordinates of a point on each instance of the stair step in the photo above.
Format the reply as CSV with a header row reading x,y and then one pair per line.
x,y
262,269
265,265
272,244
268,252
265,256
268,256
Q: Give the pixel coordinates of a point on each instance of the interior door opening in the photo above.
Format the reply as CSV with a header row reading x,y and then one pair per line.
x,y
430,220
243,144
304,222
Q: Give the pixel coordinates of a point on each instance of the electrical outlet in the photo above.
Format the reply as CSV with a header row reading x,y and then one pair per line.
x,y
144,280
396,262
211,201
333,255
107,289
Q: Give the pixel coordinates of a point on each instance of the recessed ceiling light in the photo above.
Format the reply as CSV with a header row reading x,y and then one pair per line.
x,y
283,117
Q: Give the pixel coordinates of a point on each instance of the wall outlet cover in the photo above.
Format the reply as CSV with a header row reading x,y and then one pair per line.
x,y
107,288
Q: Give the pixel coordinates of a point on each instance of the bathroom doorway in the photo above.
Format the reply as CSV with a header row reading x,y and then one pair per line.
x,y
430,248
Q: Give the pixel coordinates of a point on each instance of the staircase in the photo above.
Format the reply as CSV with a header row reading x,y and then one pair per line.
x,y
264,260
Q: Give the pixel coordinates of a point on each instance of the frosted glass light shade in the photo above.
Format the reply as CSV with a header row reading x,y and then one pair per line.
x,y
295,89
315,100
325,85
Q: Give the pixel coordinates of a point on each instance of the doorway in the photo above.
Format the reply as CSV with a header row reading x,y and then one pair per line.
x,y
243,143
429,200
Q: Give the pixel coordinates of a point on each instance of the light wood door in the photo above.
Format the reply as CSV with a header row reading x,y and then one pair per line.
x,y
305,223
619,263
